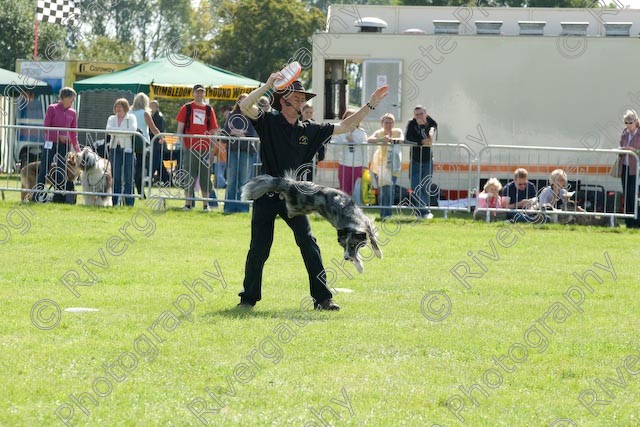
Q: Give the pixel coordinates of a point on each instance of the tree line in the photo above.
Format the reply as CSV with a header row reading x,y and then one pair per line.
x,y
248,37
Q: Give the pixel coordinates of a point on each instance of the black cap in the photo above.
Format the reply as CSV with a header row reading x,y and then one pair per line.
x,y
197,87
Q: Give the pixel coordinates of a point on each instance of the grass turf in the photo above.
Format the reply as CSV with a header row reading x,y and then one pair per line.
x,y
379,361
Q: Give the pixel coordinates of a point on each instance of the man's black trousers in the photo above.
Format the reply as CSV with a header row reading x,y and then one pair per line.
x,y
265,210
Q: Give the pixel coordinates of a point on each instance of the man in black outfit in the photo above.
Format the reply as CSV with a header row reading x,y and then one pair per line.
x,y
287,143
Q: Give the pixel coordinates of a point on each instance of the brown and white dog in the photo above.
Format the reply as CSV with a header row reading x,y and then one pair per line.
x,y
96,177
29,175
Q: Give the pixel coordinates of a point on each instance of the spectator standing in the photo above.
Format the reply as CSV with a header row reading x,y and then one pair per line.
x,y
197,118
221,156
307,112
159,148
145,124
386,164
56,145
630,141
353,155
420,132
121,151
220,164
241,156
310,170
264,104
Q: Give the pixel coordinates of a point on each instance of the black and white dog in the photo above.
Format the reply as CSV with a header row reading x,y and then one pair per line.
x,y
96,177
303,197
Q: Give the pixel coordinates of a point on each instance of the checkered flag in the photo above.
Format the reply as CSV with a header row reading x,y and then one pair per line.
x,y
56,11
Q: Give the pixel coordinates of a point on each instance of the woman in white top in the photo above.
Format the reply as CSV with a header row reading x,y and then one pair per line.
x,y
142,111
353,155
121,150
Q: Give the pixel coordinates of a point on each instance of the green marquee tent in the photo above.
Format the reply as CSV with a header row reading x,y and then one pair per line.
x,y
172,77
14,84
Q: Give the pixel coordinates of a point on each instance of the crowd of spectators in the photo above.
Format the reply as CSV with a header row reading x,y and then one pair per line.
x,y
233,160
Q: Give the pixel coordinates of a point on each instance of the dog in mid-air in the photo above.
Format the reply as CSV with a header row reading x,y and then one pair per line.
x,y
303,197
29,175
96,177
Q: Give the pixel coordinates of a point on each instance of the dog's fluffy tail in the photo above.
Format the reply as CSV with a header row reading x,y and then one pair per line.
x,y
261,185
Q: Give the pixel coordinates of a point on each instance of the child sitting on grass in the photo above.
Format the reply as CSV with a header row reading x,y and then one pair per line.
x,y
556,190
489,198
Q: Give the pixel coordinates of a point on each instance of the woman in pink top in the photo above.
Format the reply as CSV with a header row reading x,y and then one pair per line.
x,y
56,145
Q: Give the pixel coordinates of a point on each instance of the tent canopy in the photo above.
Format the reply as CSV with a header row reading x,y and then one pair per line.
x,y
172,78
14,84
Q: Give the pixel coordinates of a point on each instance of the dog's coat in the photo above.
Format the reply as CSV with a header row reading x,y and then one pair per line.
x,y
302,197
597,220
29,175
96,177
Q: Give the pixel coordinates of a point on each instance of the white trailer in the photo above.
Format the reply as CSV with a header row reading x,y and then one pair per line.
x,y
486,82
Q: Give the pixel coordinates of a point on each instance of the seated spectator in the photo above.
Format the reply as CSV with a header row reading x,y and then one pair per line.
x,y
519,194
353,155
387,164
555,192
489,198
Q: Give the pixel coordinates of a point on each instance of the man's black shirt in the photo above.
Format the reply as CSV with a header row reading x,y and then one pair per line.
x,y
285,147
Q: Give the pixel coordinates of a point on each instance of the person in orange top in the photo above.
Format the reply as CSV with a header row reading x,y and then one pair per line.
x,y
220,153
197,118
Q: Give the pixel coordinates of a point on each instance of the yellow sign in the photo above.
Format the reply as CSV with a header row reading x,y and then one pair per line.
x,y
222,93
97,68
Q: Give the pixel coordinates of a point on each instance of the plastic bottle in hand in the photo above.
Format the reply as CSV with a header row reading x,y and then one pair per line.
x,y
431,132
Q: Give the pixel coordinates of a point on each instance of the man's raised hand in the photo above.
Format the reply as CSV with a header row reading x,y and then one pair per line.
x,y
378,95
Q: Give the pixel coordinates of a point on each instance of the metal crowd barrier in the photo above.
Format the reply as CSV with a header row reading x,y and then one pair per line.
x,y
169,176
345,166
596,191
457,173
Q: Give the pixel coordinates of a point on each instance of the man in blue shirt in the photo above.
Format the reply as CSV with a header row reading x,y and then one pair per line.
x,y
520,191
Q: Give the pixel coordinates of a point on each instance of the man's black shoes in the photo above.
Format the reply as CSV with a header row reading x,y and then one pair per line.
x,y
327,304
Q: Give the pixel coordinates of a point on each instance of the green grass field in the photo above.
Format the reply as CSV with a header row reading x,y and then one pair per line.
x,y
156,355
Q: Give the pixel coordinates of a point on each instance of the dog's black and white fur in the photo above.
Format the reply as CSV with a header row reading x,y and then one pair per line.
x,y
303,197
96,177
